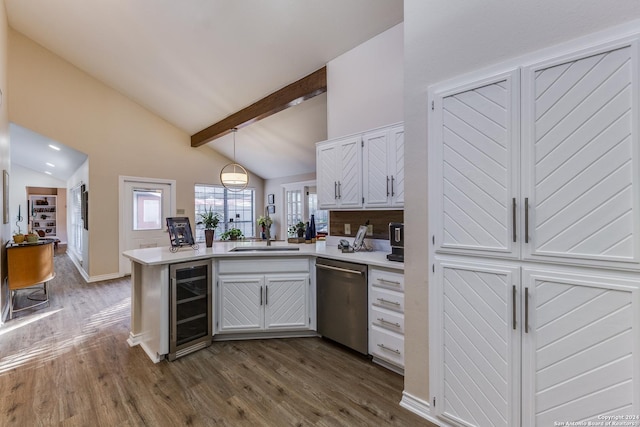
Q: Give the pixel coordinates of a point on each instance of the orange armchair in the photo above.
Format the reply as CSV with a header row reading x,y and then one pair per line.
x,y
29,266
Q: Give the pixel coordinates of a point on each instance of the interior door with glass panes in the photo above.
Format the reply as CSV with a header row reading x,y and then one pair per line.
x,y
146,208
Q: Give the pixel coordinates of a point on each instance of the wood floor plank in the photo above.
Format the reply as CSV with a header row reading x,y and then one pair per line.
x,y
69,365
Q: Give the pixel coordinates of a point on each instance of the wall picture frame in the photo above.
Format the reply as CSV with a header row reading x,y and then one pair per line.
x,y
271,199
271,209
5,196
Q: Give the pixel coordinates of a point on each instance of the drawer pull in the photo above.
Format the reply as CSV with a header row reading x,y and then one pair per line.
x,y
384,301
390,282
382,320
384,347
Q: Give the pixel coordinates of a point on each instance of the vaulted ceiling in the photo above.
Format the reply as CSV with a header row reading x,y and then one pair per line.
x,y
195,62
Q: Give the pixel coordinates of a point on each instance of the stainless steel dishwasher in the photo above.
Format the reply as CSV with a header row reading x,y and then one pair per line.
x,y
342,305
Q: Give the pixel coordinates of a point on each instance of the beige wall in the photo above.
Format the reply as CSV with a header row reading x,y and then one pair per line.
x,y
444,39
5,229
60,101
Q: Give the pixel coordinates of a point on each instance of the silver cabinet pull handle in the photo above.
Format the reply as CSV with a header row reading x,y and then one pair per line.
x,y
266,295
513,302
526,220
384,347
339,190
382,320
513,217
260,295
387,186
384,301
392,192
335,189
390,282
526,310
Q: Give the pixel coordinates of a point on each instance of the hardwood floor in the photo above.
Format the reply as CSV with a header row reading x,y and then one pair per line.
x,y
69,365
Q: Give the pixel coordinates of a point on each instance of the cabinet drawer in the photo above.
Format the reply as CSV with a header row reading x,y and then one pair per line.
x,y
387,299
386,319
386,345
387,279
262,265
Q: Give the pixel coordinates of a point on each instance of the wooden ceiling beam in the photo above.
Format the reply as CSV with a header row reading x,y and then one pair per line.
x,y
307,87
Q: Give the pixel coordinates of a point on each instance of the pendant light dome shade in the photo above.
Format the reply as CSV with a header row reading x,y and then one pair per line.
x,y
233,176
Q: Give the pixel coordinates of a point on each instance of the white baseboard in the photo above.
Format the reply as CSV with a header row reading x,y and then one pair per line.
x,y
85,276
420,407
102,277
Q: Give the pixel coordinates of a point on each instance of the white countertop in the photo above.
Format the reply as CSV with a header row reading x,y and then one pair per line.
x,y
162,255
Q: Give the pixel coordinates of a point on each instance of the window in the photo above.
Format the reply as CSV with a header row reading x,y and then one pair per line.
x,y
321,216
236,209
147,210
294,207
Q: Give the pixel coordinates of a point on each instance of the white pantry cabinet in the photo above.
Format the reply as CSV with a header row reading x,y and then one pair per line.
x,y
569,333
541,163
383,168
535,209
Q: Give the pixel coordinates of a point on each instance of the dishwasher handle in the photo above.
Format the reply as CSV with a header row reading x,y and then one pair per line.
x,y
344,270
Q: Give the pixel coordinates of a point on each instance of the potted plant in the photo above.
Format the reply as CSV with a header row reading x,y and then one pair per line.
x,y
18,237
297,229
232,234
210,221
264,222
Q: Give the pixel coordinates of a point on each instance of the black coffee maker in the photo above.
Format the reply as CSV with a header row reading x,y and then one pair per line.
x,y
396,239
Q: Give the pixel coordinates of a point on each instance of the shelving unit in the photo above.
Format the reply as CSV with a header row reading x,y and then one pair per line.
x,y
43,214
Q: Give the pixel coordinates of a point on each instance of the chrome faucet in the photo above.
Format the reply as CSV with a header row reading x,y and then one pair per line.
x,y
267,228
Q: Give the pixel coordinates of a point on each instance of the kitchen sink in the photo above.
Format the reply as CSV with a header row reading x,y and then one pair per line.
x,y
263,248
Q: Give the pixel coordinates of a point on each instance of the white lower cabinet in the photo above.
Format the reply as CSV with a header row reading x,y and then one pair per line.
x,y
386,317
263,302
264,294
528,346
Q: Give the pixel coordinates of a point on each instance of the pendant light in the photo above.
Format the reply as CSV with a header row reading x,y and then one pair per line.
x,y
233,176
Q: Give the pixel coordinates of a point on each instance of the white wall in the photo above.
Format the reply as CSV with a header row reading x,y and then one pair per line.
x,y
444,39
20,179
365,85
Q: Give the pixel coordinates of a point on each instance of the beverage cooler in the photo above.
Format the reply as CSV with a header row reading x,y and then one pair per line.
x,y
190,308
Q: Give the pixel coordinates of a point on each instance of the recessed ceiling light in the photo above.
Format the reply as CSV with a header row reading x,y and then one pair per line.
x,y
54,147
47,172
50,165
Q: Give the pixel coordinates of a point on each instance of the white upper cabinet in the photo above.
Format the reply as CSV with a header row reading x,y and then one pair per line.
x,y
363,170
475,167
580,156
383,167
339,173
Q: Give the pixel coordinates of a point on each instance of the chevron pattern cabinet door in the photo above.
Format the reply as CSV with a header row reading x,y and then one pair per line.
x,y
480,349
286,304
328,166
479,133
350,189
376,177
581,159
578,360
396,155
241,307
